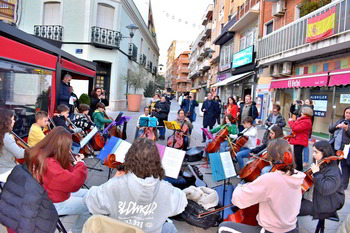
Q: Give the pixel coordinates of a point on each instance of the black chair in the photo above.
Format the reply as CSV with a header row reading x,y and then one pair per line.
x,y
60,226
321,223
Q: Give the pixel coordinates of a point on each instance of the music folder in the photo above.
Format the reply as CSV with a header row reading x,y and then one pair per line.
x,y
148,122
117,119
88,137
172,125
222,166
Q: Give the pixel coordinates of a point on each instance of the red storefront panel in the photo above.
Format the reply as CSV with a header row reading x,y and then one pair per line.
x,y
317,80
77,68
340,77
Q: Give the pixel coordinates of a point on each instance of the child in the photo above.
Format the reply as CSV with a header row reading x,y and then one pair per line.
x,y
36,133
82,118
9,150
140,197
140,130
50,163
232,129
182,119
99,117
277,193
328,194
250,132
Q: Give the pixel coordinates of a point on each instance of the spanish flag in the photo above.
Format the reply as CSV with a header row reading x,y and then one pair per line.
x,y
321,26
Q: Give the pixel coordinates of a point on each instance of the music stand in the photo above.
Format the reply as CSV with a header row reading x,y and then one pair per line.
x,y
172,125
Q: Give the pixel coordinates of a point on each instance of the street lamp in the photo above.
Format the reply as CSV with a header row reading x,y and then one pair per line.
x,y
132,28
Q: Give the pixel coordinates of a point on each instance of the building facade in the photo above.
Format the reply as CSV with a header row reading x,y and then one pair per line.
x,y
183,84
305,63
96,31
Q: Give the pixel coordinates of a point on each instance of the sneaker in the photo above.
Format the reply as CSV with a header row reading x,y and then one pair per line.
x,y
203,141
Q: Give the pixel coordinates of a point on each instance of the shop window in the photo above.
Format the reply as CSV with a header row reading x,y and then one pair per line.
x,y
306,70
297,71
52,13
105,16
24,89
337,65
325,67
344,64
314,69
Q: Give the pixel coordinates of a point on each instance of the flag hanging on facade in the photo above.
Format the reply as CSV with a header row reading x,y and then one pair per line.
x,y
321,26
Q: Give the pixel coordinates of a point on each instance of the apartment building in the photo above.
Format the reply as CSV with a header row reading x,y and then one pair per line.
x,y
98,31
306,59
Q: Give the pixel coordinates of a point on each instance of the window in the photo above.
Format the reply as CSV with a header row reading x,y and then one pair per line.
x,y
226,55
105,16
52,13
297,12
24,89
249,39
221,14
268,28
242,43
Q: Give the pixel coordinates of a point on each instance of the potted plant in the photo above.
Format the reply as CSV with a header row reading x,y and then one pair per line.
x,y
84,99
135,79
149,91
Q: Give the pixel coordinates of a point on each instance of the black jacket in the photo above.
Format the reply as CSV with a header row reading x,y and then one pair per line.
x,y
279,121
346,134
163,112
25,206
61,121
189,105
94,102
211,113
253,112
64,94
328,195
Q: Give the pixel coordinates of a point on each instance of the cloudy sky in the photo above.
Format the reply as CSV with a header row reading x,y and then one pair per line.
x,y
177,20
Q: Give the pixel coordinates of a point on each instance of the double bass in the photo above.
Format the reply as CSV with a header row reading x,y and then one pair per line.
x,y
177,139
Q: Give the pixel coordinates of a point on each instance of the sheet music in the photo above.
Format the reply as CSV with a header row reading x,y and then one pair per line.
x,y
121,151
88,137
161,150
172,161
227,165
3,176
346,151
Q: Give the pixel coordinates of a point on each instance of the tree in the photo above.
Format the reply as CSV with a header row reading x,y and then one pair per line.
x,y
135,79
308,6
160,80
150,89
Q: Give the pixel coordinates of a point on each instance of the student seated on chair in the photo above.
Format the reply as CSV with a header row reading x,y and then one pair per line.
x,y
250,132
229,122
183,120
50,163
99,117
82,119
36,133
141,129
328,194
9,150
140,197
278,195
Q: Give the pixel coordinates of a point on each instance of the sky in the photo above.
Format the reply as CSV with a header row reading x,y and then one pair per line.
x,y
170,17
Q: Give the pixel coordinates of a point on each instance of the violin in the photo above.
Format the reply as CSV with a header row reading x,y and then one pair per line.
x,y
21,143
148,133
252,170
291,135
177,139
214,145
308,180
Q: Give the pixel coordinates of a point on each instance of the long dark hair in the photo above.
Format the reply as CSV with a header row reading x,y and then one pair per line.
x,y
93,93
345,111
325,148
143,159
5,124
233,100
57,144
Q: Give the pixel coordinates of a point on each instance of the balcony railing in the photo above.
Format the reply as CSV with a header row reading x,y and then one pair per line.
x,y
104,37
245,8
7,11
294,35
53,32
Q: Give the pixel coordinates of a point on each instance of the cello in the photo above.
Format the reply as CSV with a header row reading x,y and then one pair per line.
x,y
148,133
97,141
252,169
239,143
214,145
177,139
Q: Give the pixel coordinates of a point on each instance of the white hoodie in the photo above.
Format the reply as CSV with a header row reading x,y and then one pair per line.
x,y
145,203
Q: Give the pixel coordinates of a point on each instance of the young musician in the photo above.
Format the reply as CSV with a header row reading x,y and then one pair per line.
x,y
252,134
50,163
277,193
140,197
36,133
9,150
328,195
231,127
153,102
82,119
181,119
99,117
141,129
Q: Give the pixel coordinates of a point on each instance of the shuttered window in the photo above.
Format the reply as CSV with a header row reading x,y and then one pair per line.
x,y
52,13
105,16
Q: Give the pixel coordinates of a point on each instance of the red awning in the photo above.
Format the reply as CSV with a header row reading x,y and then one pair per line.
x,y
311,80
339,77
68,65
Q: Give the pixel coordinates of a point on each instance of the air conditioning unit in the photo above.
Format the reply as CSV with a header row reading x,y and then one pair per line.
x,y
143,59
278,8
132,52
148,65
275,70
286,68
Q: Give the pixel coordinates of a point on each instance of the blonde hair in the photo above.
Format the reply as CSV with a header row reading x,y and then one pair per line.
x,y
307,111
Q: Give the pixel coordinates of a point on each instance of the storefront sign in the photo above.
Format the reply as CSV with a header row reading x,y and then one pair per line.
x,y
243,57
79,51
318,81
320,103
345,98
222,77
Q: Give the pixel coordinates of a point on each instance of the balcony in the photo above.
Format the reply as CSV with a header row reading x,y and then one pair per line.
x,y
207,29
106,38
246,14
53,32
205,65
182,79
182,69
8,10
184,60
289,43
208,14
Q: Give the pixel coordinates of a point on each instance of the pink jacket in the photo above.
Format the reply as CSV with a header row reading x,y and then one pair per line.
x,y
279,198
301,127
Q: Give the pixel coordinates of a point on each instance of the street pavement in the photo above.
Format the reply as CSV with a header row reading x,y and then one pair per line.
x,y
306,224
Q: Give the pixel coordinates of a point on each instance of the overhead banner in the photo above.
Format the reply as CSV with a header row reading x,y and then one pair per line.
x,y
321,26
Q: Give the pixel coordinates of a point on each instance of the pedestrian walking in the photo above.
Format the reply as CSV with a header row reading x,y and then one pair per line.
x,y
210,109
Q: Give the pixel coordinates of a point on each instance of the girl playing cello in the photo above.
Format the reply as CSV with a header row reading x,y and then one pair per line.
x,y
182,120
277,193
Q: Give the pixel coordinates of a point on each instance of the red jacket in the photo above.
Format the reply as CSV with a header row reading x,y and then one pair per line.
x,y
301,127
59,182
232,109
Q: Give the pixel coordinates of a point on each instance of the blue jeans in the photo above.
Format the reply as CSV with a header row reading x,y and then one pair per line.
x,y
162,131
75,148
224,146
306,154
75,205
169,227
243,153
266,169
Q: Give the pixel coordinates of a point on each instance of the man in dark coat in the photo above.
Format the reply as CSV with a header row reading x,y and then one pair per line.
x,y
161,112
248,108
188,105
64,90
211,110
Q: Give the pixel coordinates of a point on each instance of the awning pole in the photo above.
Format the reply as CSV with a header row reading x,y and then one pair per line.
x,y
333,104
